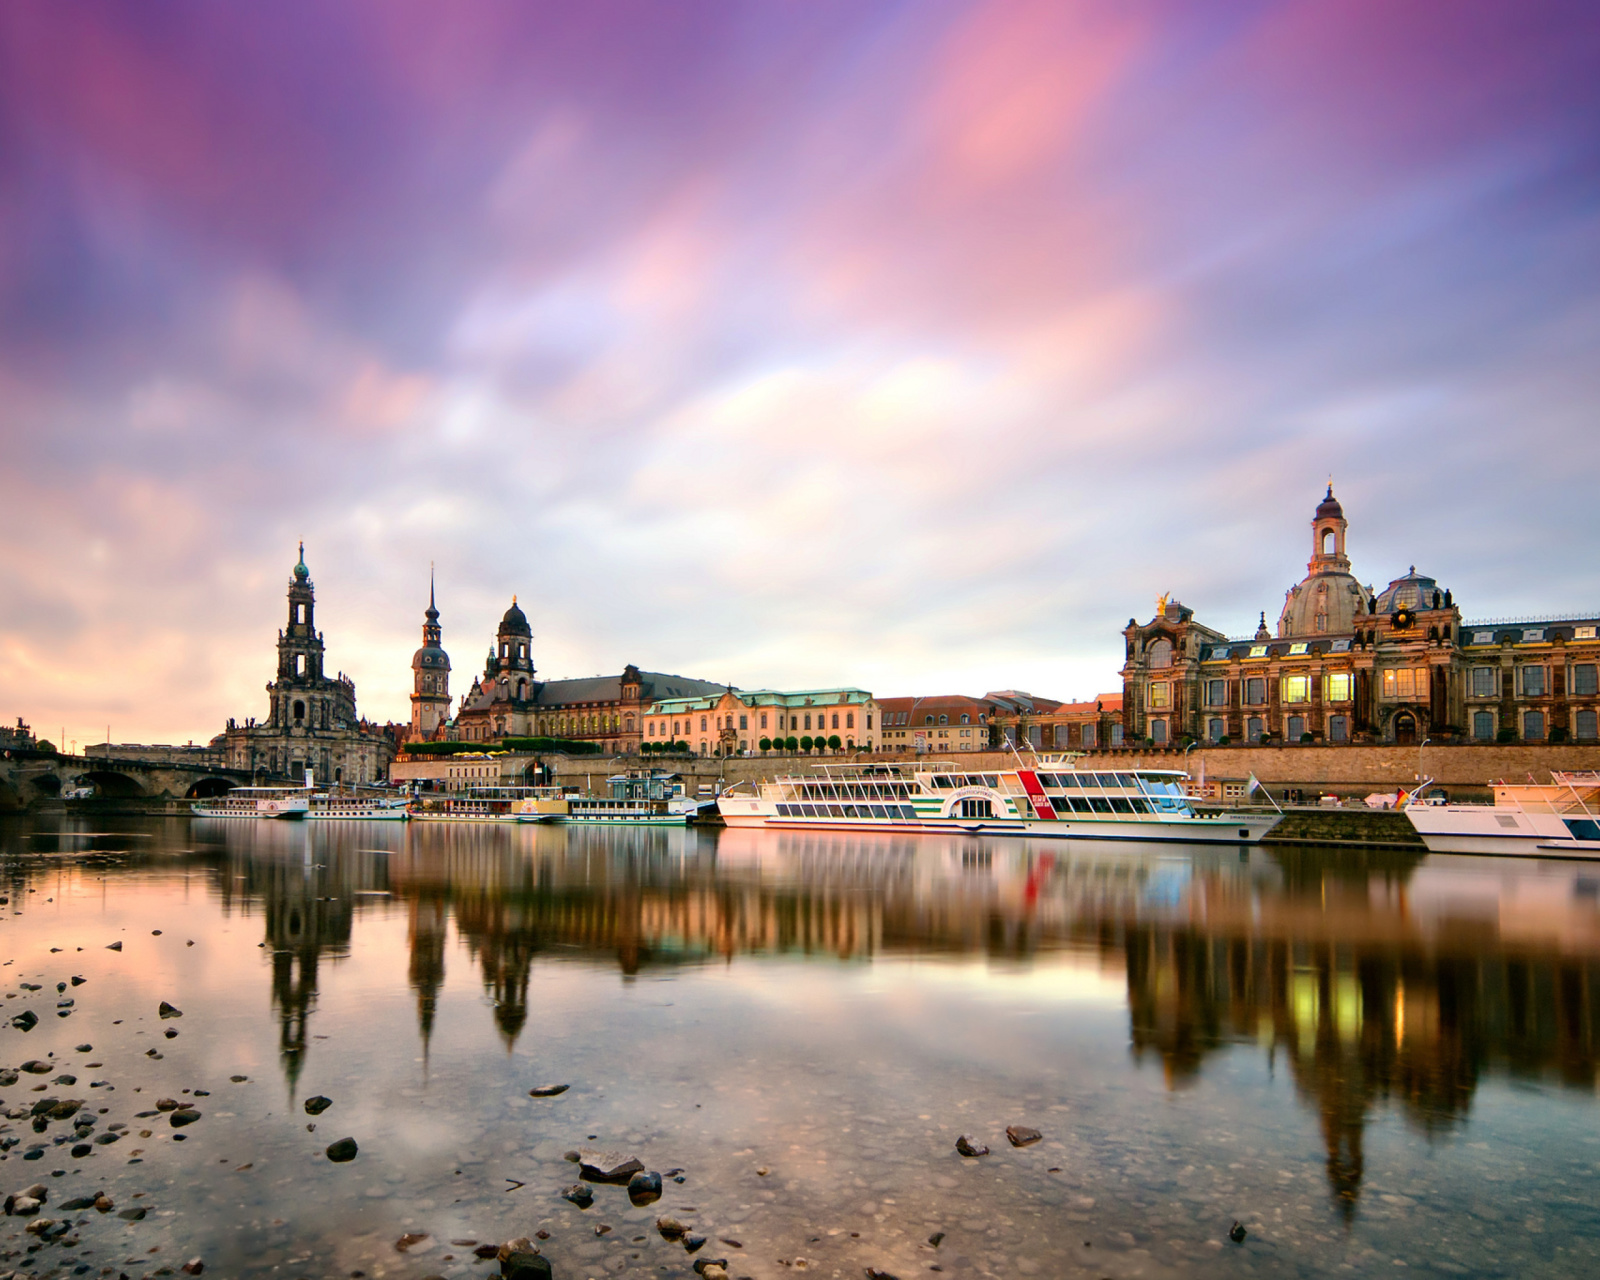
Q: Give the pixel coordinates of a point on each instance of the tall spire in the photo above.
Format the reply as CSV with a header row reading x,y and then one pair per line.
x,y
433,610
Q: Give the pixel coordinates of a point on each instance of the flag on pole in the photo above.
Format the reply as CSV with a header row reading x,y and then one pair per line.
x,y
1255,785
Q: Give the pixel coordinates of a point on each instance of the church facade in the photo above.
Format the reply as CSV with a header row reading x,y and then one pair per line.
x,y
509,700
311,719
1349,664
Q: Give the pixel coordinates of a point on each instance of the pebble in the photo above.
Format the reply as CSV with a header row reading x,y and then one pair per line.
x,y
317,1105
1237,1233
114,946
965,1147
183,1116
671,1228
525,1265
644,1188
410,1238
579,1194
607,1166
169,1011
548,1090
194,1266
343,1150
1020,1135
36,1068
135,1214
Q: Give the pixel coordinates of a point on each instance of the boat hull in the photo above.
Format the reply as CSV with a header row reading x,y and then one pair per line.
x,y
1497,831
1232,829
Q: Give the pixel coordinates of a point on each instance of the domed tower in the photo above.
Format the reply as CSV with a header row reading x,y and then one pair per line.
x,y
1329,599
430,676
511,660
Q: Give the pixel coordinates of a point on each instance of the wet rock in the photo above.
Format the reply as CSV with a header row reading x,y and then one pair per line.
x,y
78,1205
22,1205
693,1244
78,980
85,1048
171,1033
644,1188
200,1093
8,1077
183,1116
317,1105
410,1238
607,1166
1019,1135
169,1011
1237,1233
602,1228
486,1251
671,1229
712,1271
167,1104
877,1273
114,946
104,1203
570,1156
343,1151
36,1068
579,1194
44,1106
936,1238
193,1267
106,1139
238,1079
27,1020
763,1171
548,1090
965,1147
721,1264
81,1149
135,1214
525,1264
66,1108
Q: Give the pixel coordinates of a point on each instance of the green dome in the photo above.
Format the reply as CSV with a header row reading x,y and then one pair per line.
x,y
301,573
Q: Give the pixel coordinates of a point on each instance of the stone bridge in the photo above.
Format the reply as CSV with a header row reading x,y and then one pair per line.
x,y
29,778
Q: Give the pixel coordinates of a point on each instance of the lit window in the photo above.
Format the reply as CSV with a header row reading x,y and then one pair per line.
x,y
1338,686
1583,633
1297,688
1258,651
1158,695
1402,683
1295,650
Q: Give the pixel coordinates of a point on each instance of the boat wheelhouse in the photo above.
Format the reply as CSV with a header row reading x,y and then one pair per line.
x,y
1525,820
1049,797
255,802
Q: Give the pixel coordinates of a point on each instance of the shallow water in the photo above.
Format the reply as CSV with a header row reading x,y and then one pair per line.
x,y
1370,1061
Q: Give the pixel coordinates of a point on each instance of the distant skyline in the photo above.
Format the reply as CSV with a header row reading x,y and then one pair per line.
x,y
913,346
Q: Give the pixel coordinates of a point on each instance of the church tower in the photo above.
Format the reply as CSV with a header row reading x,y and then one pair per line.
x,y
430,676
1328,600
299,645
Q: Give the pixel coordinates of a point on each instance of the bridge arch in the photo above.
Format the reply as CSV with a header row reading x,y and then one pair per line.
x,y
208,787
106,782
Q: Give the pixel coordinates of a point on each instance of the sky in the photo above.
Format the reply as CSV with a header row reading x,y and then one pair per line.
x,y
912,346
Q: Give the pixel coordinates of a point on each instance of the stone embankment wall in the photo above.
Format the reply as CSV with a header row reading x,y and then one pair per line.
x,y
1352,771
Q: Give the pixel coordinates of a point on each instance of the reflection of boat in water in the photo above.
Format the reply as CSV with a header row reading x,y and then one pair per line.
x,y
330,806
1053,799
1526,819
640,798
255,802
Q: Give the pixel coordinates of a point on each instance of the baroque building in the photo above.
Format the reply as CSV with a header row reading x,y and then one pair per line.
x,y
1352,665
733,722
509,700
430,677
311,719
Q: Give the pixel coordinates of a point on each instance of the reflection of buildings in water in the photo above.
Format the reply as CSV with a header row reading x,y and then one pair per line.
x,y
307,877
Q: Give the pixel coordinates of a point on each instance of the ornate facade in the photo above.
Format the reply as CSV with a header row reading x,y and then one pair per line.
x,y
509,701
733,722
311,719
430,678
1352,665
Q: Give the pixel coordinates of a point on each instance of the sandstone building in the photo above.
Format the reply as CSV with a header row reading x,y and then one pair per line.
x,y
311,718
508,699
1348,664
731,722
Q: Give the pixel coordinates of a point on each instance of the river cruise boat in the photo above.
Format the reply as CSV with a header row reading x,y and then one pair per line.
x,y
337,806
255,802
640,798
1525,820
1050,797
479,804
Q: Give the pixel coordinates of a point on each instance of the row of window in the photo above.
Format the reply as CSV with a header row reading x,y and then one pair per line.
x,y
900,812
1255,728
1337,686
1585,725
658,728
1401,683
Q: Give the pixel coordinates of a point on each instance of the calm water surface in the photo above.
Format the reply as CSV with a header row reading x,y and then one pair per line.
x,y
1372,1061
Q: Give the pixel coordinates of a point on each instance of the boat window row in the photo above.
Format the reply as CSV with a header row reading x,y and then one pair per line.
x,y
898,812
1107,804
950,781
843,791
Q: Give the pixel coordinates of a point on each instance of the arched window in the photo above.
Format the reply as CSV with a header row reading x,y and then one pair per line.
x,y
1328,542
927,719
944,719
966,719
702,724
299,711
1159,653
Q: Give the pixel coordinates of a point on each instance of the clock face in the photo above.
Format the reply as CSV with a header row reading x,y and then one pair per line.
x,y
1403,618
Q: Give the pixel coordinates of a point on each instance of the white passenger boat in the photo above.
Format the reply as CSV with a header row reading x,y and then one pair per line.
x,y
1526,819
642,798
337,806
1052,797
255,802
480,804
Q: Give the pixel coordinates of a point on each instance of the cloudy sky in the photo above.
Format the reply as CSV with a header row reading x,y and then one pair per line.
x,y
908,345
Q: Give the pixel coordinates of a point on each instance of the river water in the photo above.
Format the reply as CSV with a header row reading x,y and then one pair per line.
x,y
1370,1061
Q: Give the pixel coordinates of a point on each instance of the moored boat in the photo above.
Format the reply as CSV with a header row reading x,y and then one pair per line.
x,y
1561,819
1050,797
639,798
340,806
255,802
480,804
